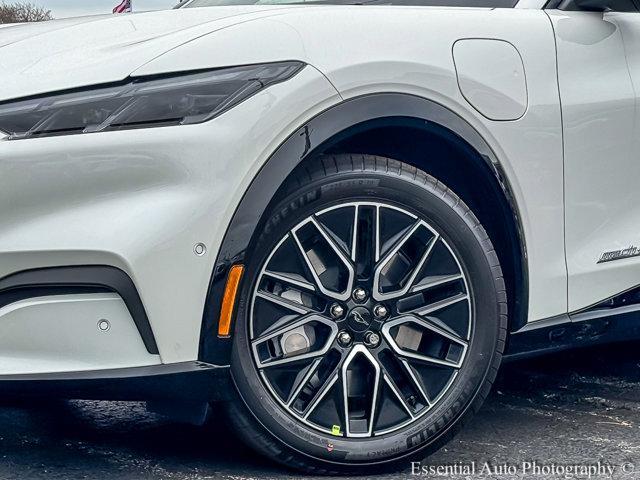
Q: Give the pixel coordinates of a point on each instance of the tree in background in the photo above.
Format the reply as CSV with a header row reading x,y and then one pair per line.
x,y
23,12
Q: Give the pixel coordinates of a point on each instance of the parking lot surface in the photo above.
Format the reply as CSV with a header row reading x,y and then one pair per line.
x,y
576,408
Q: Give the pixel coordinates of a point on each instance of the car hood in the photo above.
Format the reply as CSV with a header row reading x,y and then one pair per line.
x,y
70,53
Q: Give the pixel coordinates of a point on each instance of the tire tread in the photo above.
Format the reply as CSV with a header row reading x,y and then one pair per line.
x,y
331,165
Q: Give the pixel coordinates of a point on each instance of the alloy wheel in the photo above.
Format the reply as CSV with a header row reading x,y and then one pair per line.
x,y
361,319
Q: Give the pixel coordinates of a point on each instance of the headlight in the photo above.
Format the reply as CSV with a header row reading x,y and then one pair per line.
x,y
157,101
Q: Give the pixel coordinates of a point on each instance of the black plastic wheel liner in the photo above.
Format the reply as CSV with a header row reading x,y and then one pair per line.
x,y
316,136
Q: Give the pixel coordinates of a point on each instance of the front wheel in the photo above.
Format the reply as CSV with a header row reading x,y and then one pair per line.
x,y
372,319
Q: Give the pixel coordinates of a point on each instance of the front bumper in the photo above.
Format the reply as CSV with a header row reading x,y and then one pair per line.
x,y
188,381
139,201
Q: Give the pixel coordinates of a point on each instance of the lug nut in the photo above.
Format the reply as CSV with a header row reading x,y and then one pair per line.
x,y
336,310
371,339
380,311
344,339
360,294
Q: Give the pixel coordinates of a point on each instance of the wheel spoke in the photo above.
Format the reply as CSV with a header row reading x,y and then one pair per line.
x,y
365,251
432,282
307,337
321,394
331,269
287,296
318,381
284,302
399,395
360,374
447,302
401,266
298,388
415,381
288,279
402,382
420,339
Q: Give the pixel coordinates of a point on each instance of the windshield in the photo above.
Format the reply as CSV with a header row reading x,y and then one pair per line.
x,y
428,3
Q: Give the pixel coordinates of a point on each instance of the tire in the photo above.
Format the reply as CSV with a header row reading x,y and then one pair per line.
x,y
369,441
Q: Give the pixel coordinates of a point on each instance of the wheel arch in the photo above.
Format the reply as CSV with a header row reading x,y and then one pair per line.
x,y
354,124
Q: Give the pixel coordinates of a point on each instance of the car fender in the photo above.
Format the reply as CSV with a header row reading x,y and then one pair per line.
x,y
311,137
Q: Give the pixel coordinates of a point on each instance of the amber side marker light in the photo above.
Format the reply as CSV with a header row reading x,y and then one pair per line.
x,y
229,300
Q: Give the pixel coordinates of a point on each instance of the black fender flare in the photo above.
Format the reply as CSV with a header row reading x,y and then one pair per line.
x,y
306,141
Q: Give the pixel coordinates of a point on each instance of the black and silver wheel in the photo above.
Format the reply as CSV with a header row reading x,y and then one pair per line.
x,y
372,318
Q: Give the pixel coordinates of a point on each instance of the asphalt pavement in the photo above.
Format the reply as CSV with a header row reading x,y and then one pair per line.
x,y
576,412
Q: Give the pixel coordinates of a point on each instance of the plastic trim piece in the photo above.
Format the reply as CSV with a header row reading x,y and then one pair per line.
x,y
79,279
614,319
192,381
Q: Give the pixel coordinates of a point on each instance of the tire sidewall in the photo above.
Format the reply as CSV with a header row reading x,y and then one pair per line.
x,y
460,232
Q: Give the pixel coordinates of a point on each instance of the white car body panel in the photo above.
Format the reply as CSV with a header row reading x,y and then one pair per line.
x,y
163,182
531,4
601,145
37,58
384,56
140,200
34,335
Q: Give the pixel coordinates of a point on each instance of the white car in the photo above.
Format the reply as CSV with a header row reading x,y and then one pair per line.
x,y
335,217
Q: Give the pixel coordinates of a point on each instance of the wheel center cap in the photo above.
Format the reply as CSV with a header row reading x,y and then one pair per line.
x,y
359,319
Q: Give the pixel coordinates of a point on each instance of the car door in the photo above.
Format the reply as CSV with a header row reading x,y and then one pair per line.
x,y
601,154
